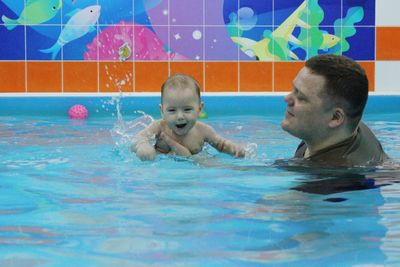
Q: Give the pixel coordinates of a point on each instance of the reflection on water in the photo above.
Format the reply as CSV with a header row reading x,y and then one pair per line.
x,y
71,197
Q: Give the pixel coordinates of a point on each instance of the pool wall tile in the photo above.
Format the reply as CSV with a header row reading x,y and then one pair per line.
x,y
387,13
149,76
255,76
44,76
194,69
116,76
227,45
284,73
362,45
387,76
388,43
80,77
12,43
221,77
12,77
369,67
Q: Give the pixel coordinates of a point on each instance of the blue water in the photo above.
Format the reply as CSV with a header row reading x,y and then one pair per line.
x,y
71,194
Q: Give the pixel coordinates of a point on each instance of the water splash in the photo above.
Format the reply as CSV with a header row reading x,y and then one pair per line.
x,y
123,133
250,151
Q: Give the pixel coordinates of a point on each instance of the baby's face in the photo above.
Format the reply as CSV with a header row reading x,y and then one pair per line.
x,y
180,109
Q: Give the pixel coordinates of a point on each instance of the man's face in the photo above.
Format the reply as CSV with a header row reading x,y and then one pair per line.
x,y
180,109
308,109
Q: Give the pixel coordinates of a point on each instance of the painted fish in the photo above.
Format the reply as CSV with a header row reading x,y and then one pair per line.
x,y
35,12
281,38
329,41
80,23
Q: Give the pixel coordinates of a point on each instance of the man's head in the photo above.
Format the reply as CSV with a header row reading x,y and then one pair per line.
x,y
180,103
346,83
329,93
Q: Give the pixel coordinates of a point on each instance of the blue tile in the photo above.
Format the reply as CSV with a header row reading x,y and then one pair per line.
x,y
362,44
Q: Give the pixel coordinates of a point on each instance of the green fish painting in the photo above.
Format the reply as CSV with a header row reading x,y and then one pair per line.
x,y
35,12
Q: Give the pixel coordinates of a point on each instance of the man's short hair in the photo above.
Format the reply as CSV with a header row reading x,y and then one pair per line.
x,y
346,83
180,81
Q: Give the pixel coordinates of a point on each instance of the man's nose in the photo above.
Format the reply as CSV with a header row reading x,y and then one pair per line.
x,y
289,99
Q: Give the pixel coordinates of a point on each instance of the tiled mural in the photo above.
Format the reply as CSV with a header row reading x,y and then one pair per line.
x,y
229,46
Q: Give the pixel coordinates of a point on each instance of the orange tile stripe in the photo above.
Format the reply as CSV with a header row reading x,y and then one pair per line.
x,y
12,77
150,76
103,77
221,77
256,76
369,67
80,77
284,73
387,43
116,76
44,77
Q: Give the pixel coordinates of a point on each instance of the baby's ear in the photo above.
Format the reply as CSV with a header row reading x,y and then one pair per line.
x,y
201,106
161,112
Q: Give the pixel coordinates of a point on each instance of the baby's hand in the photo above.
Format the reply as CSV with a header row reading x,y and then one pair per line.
x,y
145,151
168,140
175,147
238,151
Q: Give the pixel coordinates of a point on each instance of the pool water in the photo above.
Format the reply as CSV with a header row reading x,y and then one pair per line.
x,y
71,194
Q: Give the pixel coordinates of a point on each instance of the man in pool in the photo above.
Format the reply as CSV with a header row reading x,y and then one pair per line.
x,y
324,110
179,132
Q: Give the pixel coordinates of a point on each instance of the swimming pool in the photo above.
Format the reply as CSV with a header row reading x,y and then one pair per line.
x,y
72,195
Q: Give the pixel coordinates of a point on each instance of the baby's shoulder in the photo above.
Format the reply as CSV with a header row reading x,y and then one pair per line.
x,y
204,128
155,126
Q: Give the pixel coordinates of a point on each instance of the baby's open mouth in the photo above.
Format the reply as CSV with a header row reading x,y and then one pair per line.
x,y
181,125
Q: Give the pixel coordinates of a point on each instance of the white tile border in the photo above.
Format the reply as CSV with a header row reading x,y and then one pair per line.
x,y
386,13
387,77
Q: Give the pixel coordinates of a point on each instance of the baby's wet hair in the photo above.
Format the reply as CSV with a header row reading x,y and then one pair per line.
x,y
180,81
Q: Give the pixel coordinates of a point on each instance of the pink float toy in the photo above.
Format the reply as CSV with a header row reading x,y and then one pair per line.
x,y
78,112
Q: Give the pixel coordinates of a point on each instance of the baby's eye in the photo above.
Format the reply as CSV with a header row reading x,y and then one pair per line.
x,y
171,110
188,109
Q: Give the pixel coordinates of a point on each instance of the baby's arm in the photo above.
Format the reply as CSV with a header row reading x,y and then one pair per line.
x,y
175,147
142,147
220,143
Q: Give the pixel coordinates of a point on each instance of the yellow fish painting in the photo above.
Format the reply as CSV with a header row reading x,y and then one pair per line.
x,y
329,41
35,12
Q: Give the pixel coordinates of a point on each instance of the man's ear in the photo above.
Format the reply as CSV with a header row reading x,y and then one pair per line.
x,y
338,118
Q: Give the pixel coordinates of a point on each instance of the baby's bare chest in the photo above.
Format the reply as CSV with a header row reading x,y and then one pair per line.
x,y
194,142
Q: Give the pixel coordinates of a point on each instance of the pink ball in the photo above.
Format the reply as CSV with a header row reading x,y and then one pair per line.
x,y
78,112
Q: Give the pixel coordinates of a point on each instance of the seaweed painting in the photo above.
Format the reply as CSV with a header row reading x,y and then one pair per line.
x,y
300,30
